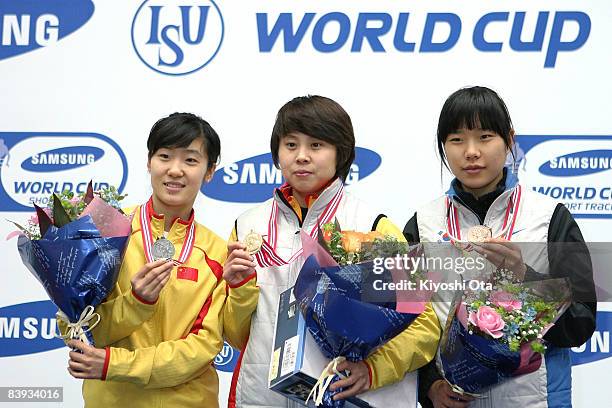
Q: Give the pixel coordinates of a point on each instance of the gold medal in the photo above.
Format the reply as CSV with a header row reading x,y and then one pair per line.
x,y
253,242
479,233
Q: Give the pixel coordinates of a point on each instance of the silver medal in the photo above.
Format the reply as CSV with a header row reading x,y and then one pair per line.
x,y
163,249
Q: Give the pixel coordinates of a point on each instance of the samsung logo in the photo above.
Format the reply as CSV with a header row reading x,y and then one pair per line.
x,y
578,164
554,32
28,328
40,164
254,179
28,25
551,165
257,170
598,347
62,159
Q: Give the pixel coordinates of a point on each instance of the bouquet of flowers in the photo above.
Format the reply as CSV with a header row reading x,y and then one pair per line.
x,y
493,335
350,247
330,291
74,247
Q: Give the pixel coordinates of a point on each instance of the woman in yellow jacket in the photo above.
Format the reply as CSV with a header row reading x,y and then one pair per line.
x,y
154,347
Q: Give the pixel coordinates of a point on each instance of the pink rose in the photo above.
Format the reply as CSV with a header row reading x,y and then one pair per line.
x,y
488,320
506,300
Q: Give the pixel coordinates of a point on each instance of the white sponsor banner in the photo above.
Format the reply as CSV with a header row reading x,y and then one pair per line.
x,y
83,81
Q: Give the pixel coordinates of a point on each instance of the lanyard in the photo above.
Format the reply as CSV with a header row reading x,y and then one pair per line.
x,y
453,228
267,256
148,242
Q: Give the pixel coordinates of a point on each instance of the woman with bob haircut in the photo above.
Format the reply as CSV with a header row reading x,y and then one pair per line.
x,y
314,146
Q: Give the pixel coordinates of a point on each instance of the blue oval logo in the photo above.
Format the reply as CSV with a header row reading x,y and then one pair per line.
x,y
598,346
253,180
176,39
34,165
227,358
578,164
62,159
28,328
29,25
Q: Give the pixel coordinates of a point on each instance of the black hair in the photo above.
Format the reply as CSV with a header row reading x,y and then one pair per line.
x,y
180,130
321,118
472,108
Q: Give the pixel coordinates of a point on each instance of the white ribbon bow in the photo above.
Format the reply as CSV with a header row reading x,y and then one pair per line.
x,y
77,330
460,391
324,381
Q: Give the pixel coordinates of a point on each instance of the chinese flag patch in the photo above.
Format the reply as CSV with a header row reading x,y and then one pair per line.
x,y
184,272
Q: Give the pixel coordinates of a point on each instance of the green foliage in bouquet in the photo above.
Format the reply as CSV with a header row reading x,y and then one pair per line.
x,y
66,207
74,204
515,313
350,247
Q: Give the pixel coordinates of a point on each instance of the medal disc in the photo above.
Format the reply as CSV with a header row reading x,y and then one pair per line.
x,y
163,249
253,242
479,233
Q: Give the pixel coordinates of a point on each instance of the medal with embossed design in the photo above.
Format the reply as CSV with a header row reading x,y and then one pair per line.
x,y
253,242
163,249
479,233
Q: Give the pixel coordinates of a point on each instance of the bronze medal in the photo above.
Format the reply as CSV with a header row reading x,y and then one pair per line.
x,y
479,233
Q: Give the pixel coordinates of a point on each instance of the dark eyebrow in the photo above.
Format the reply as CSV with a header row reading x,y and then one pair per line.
x,y
194,151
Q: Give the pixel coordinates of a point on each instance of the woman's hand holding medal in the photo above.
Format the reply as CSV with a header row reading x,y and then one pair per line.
x,y
148,282
239,264
503,254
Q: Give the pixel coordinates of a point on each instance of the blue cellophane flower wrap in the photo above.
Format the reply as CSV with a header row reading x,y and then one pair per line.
x,y
472,362
342,323
75,264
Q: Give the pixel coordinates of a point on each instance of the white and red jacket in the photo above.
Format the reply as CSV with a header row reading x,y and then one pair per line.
x,y
538,219
251,307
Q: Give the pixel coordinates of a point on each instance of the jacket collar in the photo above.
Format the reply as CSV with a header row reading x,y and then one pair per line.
x,y
178,227
316,207
511,183
497,208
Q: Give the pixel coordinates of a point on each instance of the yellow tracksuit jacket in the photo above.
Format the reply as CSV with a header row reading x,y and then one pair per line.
x,y
161,354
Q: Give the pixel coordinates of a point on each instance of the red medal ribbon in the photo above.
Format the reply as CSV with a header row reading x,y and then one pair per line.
x,y
452,217
267,256
147,237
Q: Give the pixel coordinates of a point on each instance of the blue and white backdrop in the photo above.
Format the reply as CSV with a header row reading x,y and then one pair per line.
x,y
85,80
